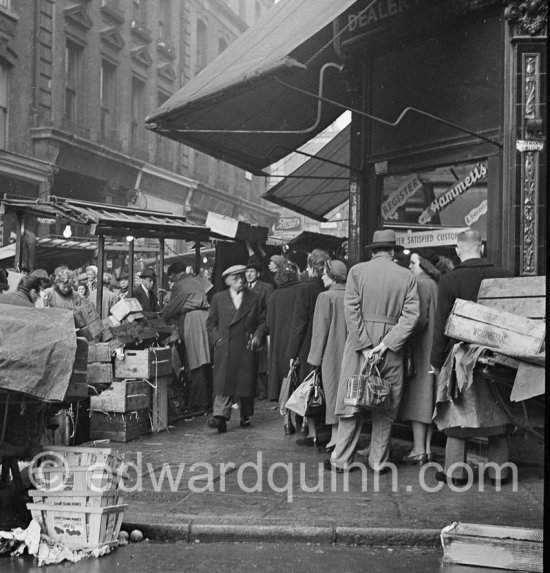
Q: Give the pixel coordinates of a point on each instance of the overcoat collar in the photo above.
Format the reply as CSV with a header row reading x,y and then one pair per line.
x,y
246,304
474,263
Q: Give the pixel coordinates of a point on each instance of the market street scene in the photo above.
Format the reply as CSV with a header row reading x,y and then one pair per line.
x,y
272,285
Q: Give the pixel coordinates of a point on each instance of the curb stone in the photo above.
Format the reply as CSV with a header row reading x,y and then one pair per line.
x,y
245,532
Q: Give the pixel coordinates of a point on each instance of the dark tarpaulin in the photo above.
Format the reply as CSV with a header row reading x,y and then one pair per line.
x,y
37,351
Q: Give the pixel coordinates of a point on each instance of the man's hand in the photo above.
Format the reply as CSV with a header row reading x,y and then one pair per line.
x,y
255,343
378,350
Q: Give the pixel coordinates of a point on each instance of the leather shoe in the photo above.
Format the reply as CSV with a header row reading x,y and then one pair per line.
x,y
219,423
289,429
458,482
310,442
419,459
332,468
245,422
326,449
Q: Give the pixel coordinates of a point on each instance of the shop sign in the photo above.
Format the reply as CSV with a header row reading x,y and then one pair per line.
x,y
400,196
438,238
477,173
522,145
288,224
476,213
45,221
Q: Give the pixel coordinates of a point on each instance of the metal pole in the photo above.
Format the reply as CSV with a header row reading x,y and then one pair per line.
x,y
130,268
160,275
19,242
100,263
197,258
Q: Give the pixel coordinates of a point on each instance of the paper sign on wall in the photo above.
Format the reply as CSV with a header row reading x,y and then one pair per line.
x,y
438,238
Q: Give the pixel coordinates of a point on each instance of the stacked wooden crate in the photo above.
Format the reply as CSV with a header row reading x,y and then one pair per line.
x,y
137,400
88,322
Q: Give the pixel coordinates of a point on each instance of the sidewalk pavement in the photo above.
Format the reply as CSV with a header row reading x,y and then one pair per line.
x,y
277,490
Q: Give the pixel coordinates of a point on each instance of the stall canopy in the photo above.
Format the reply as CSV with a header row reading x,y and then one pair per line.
x,y
238,110
320,184
110,220
306,241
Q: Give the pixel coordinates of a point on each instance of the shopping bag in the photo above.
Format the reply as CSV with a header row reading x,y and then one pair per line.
x,y
308,399
289,383
368,390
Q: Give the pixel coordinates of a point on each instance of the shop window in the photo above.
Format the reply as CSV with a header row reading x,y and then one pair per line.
x,y
3,106
108,101
451,196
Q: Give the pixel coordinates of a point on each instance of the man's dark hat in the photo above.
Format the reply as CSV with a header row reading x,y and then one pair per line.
x,y
384,239
123,275
177,267
147,273
254,263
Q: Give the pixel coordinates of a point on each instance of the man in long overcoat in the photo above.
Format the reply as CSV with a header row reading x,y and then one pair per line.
x,y
236,328
464,282
145,292
188,307
382,308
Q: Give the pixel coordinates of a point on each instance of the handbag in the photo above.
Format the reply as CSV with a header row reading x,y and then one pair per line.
x,y
289,383
368,390
308,399
409,367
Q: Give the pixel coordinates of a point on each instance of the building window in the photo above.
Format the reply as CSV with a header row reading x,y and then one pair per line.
x,y
73,83
138,113
3,106
164,19
242,9
202,45
222,44
6,4
164,154
108,101
139,11
257,11
114,4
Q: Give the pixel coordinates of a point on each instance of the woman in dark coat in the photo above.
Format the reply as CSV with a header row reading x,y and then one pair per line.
x,y
236,328
418,400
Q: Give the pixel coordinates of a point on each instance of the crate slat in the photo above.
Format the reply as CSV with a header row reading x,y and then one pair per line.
x,y
123,396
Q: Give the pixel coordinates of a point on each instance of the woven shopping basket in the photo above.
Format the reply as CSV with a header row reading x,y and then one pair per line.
x,y
368,390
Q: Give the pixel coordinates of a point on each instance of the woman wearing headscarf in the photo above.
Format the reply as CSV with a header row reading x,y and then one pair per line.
x,y
327,346
418,401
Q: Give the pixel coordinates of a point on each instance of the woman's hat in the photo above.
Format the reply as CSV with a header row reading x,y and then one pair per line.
x,y
279,260
385,239
337,268
234,270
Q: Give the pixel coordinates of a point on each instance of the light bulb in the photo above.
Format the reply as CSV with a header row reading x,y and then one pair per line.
x,y
406,252
129,238
67,232
205,260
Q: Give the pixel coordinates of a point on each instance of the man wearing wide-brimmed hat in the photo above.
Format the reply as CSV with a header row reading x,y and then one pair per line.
x,y
145,292
382,308
236,328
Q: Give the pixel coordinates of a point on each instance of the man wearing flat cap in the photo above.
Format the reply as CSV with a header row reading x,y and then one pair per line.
x,y
188,307
145,292
381,309
236,328
264,290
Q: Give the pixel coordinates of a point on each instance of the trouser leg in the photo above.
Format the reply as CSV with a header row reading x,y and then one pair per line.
x,y
261,389
456,450
349,430
222,406
247,407
498,452
200,394
380,440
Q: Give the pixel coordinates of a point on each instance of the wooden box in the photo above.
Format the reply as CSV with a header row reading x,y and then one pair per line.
x,y
525,296
506,332
92,330
100,373
495,546
159,401
123,308
150,364
119,427
77,388
85,314
100,352
123,396
81,356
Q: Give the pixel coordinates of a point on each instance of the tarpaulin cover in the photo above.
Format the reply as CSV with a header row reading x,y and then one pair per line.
x,y
37,351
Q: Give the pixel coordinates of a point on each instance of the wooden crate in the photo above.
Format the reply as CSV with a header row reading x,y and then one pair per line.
x,y
525,296
100,352
77,388
84,498
80,527
119,427
123,308
506,332
515,548
123,396
159,415
99,373
98,477
149,364
92,330
85,314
